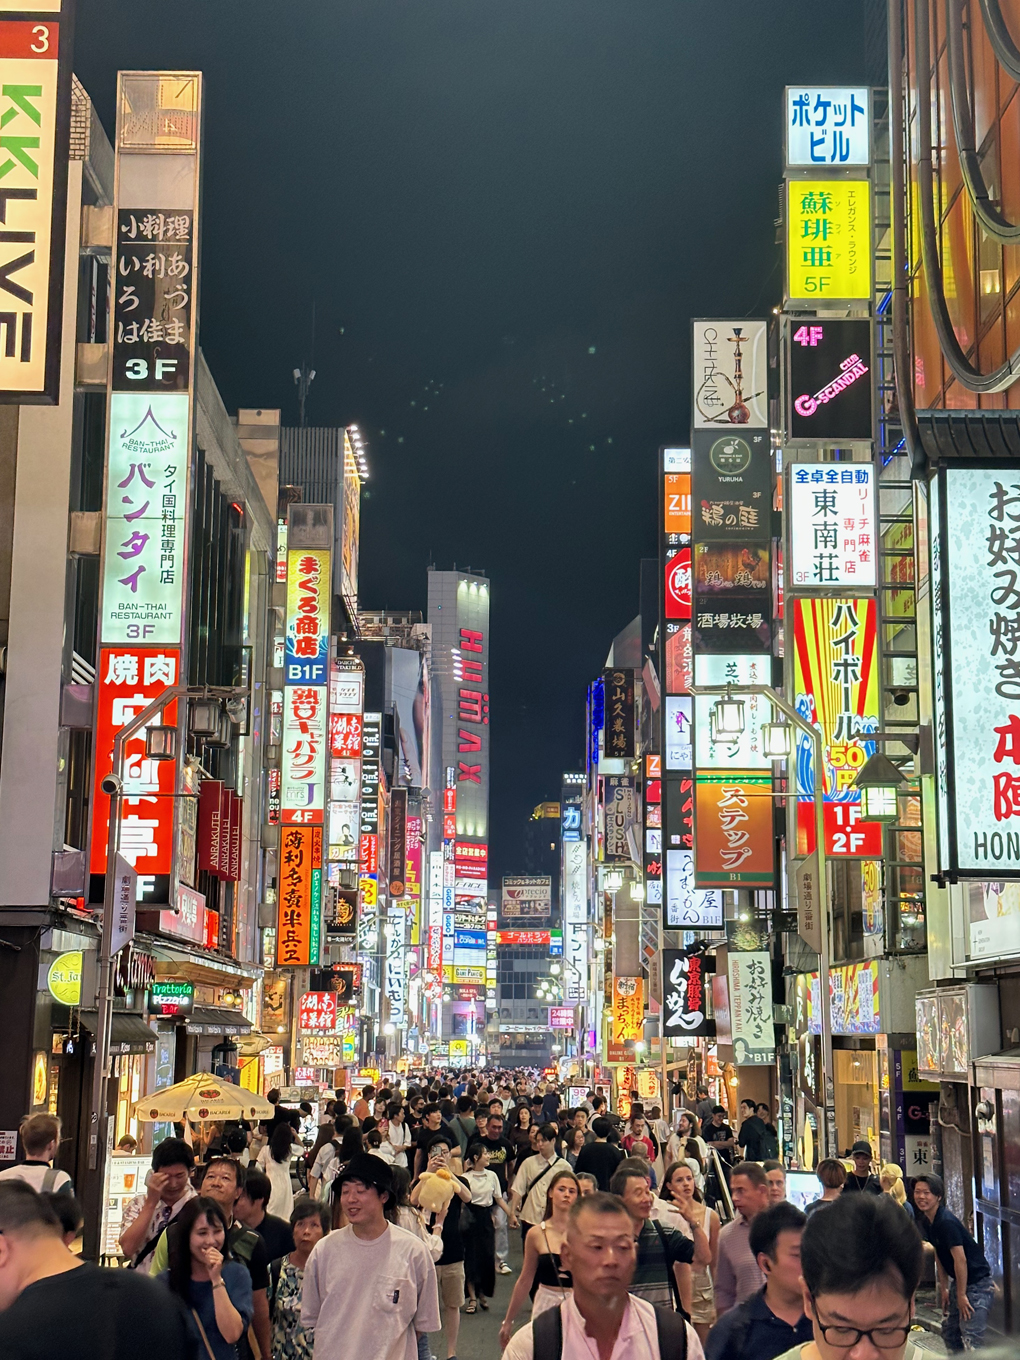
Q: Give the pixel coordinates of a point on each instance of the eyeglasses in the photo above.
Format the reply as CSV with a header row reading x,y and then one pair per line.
x,y
845,1338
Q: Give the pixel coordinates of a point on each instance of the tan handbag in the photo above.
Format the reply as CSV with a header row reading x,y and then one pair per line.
x,y
201,1332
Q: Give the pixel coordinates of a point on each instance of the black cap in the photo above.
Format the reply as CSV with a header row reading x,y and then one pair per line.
x,y
372,1170
861,1146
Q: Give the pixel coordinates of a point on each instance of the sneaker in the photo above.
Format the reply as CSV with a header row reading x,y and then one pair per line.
x,y
504,1269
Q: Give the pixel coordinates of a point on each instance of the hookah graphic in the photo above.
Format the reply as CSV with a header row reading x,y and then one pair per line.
x,y
738,413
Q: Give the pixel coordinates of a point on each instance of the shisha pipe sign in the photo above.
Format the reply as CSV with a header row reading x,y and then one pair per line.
x,y
730,373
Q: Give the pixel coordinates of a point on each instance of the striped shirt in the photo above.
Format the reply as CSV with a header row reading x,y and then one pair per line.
x,y
658,1249
737,1276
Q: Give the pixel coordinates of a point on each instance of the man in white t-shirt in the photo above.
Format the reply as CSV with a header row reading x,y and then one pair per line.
x,y
369,1289
40,1137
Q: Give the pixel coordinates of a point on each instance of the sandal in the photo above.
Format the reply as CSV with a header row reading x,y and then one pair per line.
x,y
471,1306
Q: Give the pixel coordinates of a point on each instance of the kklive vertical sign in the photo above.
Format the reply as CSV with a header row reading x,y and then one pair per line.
x,y
35,118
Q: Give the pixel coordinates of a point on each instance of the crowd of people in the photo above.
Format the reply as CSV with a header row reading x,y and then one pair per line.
x,y
392,1224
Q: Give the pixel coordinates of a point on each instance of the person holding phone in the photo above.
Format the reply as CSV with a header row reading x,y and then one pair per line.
x,y
216,1290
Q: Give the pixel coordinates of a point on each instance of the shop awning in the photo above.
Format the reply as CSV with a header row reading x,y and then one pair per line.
x,y
197,965
1001,1071
216,1020
128,1033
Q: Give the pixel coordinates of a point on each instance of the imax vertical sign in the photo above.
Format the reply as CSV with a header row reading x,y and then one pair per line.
x,y
35,113
975,573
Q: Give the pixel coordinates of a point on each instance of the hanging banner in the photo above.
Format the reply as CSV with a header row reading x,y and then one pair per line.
x,y
836,689
734,840
750,996
678,734
619,702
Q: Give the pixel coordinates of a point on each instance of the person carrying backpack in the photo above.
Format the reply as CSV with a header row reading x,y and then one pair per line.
x,y
332,1156
599,1252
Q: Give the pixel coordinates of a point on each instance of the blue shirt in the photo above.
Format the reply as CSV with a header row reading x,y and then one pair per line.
x,y
200,1298
751,1331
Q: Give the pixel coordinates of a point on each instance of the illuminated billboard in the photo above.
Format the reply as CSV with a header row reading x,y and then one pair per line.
x,y
35,114
975,552
832,526
730,364
734,840
828,240
829,380
828,125
836,689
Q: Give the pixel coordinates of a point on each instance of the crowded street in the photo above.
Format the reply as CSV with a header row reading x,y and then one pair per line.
x,y
509,680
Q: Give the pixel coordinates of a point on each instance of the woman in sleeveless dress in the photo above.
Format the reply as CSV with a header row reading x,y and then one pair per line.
x,y
541,1275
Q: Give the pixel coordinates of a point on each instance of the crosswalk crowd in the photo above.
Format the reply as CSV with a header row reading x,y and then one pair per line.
x,y
644,1238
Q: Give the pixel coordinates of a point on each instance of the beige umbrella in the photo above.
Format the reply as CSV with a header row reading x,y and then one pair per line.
x,y
202,1097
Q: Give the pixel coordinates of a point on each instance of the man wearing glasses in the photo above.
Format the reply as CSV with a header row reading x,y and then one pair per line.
x,y
860,1263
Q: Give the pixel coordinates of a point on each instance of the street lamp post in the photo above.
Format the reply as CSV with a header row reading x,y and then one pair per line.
x,y
726,693
113,786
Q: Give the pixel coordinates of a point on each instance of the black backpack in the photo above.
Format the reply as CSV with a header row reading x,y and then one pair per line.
x,y
547,1334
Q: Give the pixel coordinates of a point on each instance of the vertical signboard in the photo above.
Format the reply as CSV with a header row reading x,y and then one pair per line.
x,y
829,381
575,920
684,979
734,841
306,734
828,125
975,550
836,689
35,115
150,418
618,687
730,360
832,526
750,995
828,238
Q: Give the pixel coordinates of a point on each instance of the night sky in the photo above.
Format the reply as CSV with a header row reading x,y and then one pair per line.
x,y
505,213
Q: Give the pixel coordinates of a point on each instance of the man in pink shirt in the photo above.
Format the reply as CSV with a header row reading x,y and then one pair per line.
x,y
738,1275
599,1316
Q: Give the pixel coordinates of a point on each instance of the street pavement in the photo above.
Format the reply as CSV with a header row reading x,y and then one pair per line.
x,y
479,1333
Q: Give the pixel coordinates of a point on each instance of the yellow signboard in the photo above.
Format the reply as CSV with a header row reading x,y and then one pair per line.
x,y
64,978
828,239
458,1048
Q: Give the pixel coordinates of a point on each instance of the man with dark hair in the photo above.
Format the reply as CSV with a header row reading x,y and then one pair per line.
x,y
53,1304
773,1320
369,1289
600,1158
431,1124
167,1192
501,1155
223,1182
719,1133
860,1263
738,1274
959,1259
775,1174
704,1107
528,1192
752,1132
662,1273
450,1266
462,1125
602,1307
250,1210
